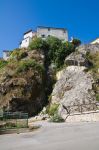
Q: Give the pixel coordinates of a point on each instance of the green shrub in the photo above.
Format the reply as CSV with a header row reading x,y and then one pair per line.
x,y
22,55
57,50
76,42
56,118
53,45
37,44
94,60
65,49
97,97
53,109
3,63
18,54
27,64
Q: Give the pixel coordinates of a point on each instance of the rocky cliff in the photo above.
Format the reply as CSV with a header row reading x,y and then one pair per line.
x,y
22,82
74,90
27,77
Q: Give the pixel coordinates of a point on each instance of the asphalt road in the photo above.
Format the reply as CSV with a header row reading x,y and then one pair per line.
x,y
78,136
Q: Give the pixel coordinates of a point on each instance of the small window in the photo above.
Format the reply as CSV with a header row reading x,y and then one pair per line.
x,y
48,29
7,54
43,36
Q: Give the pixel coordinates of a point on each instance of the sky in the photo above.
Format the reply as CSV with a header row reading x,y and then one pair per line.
x,y
80,17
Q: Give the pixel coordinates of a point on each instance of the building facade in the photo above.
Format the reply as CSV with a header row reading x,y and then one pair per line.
x,y
6,54
96,41
27,37
43,32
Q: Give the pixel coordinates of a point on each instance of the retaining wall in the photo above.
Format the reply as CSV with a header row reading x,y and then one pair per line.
x,y
85,116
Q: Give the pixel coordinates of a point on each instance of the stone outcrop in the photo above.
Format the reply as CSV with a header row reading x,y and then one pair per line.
x,y
92,48
78,58
24,84
24,90
73,90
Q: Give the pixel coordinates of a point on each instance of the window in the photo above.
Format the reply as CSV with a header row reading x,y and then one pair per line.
x,y
7,54
43,36
48,29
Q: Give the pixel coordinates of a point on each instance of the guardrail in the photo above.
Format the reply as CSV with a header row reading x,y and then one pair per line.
x,y
9,120
80,108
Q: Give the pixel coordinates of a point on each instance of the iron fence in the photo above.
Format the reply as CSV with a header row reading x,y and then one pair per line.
x,y
13,120
81,107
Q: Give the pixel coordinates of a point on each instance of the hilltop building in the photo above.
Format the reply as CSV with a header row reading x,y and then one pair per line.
x,y
96,41
60,33
43,32
6,54
27,37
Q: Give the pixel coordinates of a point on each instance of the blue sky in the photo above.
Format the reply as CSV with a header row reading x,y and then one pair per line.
x,y
80,17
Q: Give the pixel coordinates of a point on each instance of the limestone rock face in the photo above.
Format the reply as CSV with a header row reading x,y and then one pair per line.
x,y
92,48
24,90
78,58
74,88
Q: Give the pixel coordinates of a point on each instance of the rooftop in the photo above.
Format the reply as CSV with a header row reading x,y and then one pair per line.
x,y
6,51
51,28
28,31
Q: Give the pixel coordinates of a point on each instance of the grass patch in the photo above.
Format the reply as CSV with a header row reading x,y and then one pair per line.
x,y
18,54
53,109
3,63
97,97
94,60
27,64
56,118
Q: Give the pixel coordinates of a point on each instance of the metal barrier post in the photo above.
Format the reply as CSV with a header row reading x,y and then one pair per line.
x,y
27,120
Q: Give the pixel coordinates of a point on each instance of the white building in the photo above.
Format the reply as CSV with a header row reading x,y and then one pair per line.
x,y
27,37
96,41
43,32
6,54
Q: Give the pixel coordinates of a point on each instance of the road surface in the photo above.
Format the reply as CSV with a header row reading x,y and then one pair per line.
x,y
63,136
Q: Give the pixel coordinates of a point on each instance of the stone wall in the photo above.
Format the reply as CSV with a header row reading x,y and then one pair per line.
x,y
44,32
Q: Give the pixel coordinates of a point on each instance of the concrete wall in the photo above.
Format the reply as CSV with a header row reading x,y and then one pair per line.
x,y
86,116
25,42
29,34
27,39
95,41
6,55
59,33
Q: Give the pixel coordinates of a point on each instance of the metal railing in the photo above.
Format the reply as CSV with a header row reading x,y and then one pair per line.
x,y
13,120
81,107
